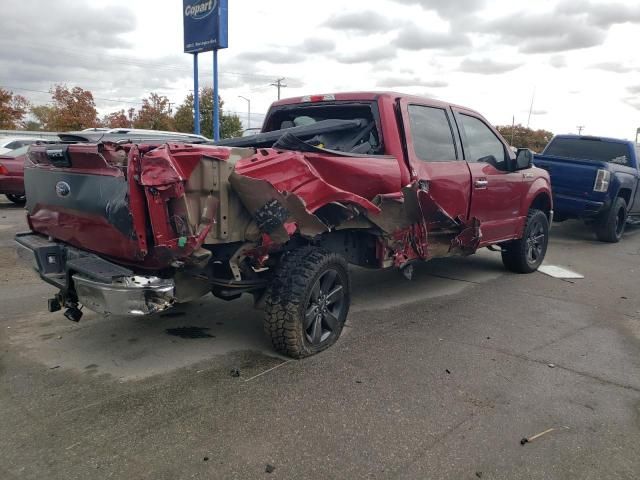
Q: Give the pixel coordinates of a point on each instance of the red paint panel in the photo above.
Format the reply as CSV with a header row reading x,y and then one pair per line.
x,y
81,230
496,205
13,181
175,162
322,179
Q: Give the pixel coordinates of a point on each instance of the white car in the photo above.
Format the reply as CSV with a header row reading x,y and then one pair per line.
x,y
11,143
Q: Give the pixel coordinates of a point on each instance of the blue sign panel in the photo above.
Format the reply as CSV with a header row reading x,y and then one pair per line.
x,y
205,25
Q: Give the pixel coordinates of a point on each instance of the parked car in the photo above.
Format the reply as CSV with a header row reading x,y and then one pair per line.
x,y
8,144
373,179
594,179
249,132
12,174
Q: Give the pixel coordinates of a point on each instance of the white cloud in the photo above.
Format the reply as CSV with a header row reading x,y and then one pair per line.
x,y
579,55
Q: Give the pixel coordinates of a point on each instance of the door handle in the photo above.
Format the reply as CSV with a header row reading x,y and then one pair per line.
x,y
481,183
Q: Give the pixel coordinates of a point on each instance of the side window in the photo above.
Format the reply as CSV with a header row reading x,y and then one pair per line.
x,y
431,134
12,145
481,141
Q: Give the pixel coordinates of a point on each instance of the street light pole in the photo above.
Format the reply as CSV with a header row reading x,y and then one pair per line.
x,y
249,108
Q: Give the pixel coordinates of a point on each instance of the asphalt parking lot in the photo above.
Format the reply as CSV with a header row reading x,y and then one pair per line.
x,y
440,377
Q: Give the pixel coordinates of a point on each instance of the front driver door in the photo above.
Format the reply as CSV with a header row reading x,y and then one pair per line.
x,y
496,192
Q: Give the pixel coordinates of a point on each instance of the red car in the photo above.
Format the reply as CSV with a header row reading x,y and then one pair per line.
x,y
12,174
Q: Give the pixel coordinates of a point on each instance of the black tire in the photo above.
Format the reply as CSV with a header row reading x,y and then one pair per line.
x,y
307,302
610,227
17,199
526,254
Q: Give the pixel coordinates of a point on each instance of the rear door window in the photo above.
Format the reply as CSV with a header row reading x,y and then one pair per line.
x,y
431,134
590,149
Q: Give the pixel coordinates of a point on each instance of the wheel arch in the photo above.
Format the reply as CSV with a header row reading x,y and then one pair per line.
x,y
542,201
625,192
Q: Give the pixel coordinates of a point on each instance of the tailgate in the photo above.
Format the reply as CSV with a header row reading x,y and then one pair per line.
x,y
80,194
569,176
144,205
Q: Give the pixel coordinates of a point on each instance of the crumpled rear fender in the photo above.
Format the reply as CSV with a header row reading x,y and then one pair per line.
x,y
282,190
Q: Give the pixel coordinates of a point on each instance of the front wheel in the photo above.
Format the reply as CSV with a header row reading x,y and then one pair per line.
x,y
526,254
17,199
307,302
610,227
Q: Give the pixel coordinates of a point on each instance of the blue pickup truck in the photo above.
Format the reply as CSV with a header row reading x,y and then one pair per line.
x,y
594,179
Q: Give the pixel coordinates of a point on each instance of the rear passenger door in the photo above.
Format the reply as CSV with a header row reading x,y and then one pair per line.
x,y
496,192
435,154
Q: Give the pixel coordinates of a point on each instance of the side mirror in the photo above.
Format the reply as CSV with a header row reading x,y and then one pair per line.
x,y
524,159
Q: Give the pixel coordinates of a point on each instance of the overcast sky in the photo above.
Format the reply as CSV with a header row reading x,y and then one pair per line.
x,y
577,59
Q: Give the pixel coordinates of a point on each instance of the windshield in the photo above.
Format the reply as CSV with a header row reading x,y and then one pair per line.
x,y
589,149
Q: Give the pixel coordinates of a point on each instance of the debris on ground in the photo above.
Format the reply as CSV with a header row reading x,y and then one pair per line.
x,y
558,272
551,365
205,459
235,372
479,474
538,435
269,468
448,371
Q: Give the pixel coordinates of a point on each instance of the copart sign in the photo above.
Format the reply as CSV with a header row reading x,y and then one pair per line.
x,y
205,25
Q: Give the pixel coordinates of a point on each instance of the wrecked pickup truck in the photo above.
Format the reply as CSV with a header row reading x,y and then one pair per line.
x,y
376,180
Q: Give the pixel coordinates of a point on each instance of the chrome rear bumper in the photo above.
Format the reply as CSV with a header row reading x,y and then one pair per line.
x,y
98,284
125,296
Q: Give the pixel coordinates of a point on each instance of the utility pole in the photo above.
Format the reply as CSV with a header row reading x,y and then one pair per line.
x,y
580,128
533,96
278,84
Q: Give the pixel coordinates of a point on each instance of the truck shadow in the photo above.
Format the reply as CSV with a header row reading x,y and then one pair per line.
x,y
209,330
572,230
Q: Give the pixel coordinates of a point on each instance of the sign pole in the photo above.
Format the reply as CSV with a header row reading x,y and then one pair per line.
x,y
196,96
216,98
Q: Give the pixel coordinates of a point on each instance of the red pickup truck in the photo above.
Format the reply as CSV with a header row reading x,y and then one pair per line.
x,y
373,179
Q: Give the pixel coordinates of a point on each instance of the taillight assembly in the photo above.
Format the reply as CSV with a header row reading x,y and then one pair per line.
x,y
602,181
3,170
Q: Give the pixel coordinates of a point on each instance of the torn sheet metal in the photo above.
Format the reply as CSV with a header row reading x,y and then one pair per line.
x,y
273,210
281,188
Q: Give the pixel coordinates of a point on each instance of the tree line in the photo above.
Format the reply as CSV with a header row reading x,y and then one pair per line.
x,y
73,109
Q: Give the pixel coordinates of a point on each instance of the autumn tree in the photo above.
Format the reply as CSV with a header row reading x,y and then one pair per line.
x,y
230,125
72,109
155,114
117,119
523,137
13,109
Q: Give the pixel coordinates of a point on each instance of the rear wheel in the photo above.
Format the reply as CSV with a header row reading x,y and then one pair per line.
x,y
17,199
526,254
611,226
307,302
